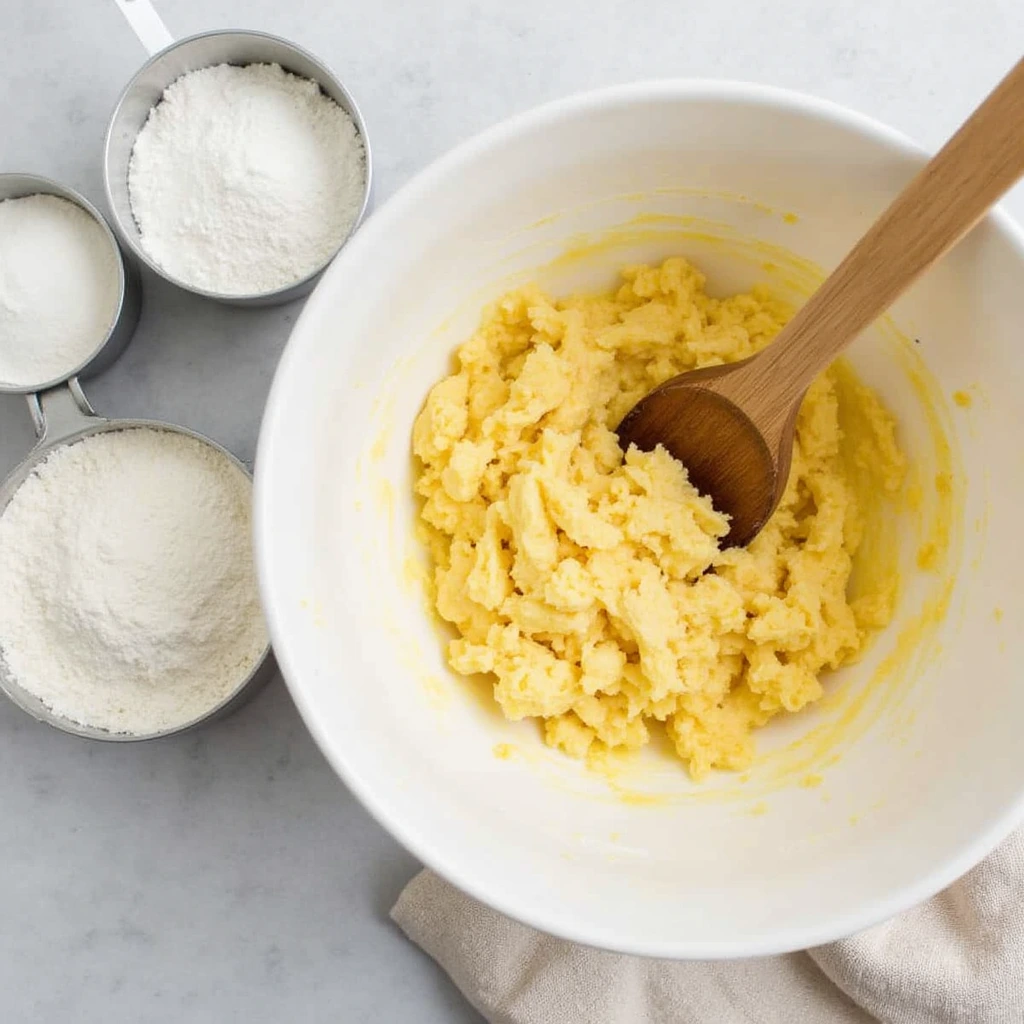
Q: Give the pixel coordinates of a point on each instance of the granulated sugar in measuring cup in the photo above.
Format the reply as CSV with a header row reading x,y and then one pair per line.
x,y
128,599
63,287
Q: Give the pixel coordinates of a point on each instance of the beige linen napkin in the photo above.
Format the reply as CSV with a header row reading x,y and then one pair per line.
x,y
956,959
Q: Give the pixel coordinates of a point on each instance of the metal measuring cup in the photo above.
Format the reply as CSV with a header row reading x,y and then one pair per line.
x,y
62,416
146,90
129,297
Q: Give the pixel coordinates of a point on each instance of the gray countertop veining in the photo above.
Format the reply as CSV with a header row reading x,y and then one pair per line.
x,y
228,875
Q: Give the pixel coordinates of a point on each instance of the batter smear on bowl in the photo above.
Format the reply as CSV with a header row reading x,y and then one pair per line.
x,y
590,582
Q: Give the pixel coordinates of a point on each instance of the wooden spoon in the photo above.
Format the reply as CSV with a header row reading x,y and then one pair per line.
x,y
732,426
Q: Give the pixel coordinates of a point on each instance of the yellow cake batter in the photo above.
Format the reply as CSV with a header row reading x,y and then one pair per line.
x,y
590,583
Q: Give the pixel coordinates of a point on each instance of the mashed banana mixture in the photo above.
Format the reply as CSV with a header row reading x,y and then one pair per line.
x,y
590,583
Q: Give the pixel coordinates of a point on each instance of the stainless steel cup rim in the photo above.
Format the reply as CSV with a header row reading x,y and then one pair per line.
x,y
69,421
37,184
324,75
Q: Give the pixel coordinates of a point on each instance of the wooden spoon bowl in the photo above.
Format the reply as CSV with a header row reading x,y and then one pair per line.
x,y
726,455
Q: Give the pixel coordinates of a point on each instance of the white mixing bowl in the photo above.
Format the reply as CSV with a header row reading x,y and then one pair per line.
x,y
901,780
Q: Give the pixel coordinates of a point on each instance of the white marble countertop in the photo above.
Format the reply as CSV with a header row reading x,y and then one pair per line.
x,y
228,875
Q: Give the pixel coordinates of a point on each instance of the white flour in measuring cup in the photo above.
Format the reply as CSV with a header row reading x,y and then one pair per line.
x,y
244,180
59,288
128,598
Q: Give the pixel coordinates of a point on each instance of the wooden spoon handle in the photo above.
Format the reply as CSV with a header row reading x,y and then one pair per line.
x,y
946,199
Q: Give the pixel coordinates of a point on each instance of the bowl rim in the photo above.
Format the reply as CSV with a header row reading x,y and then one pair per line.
x,y
283,293
269,451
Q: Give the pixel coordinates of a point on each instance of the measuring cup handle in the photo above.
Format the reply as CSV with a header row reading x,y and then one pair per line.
x,y
60,412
